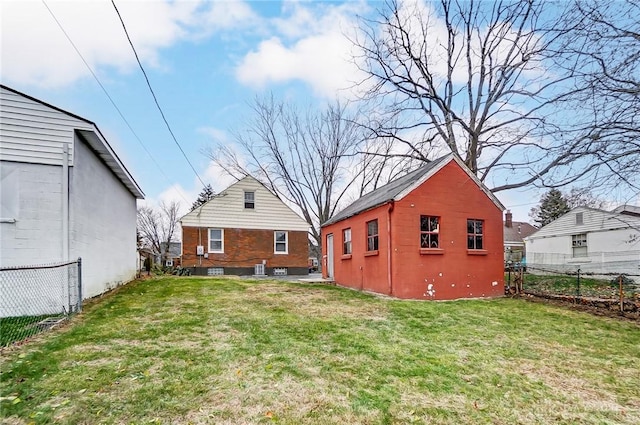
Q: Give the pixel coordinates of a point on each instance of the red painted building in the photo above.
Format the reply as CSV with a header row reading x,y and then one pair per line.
x,y
436,233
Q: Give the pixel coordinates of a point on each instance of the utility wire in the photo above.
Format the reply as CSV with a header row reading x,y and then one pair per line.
x,y
108,95
124,27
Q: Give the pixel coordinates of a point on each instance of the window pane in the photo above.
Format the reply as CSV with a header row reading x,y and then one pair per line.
x,y
478,242
433,224
424,223
478,226
433,241
281,236
216,245
216,234
470,226
470,242
281,247
372,228
375,242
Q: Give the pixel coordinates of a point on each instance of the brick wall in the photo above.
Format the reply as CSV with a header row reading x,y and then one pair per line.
x,y
244,248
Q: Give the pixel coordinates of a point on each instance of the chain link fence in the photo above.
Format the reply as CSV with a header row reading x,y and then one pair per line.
x,y
599,289
36,298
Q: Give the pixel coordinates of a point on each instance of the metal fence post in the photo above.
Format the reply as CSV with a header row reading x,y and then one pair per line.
x,y
621,295
79,284
578,286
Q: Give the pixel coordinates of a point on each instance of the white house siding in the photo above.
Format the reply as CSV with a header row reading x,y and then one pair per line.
x,y
102,224
227,210
613,243
33,132
35,225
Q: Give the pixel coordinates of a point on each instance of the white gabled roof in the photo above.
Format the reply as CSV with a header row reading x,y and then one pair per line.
x,y
593,220
226,210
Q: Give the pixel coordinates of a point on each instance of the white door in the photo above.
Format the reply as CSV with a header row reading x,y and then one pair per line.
x,y
330,256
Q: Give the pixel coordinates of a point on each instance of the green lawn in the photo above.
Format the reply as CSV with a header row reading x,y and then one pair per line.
x,y
230,351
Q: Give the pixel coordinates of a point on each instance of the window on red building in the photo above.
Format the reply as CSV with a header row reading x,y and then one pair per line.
x,y
429,231
372,235
475,236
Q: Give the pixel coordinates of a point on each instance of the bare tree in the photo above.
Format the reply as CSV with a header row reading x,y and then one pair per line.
x,y
306,158
603,52
474,78
157,227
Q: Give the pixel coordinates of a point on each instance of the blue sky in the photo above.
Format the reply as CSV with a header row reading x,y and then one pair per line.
x,y
205,60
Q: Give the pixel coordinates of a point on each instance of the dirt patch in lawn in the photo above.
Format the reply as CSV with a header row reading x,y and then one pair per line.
x,y
630,316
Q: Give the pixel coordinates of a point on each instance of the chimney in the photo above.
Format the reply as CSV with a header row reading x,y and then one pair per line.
x,y
508,219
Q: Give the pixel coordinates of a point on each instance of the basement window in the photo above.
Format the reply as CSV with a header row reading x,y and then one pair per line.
x,y
280,271
215,271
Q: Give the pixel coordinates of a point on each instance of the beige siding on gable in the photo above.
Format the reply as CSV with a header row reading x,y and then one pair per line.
x,y
33,132
227,210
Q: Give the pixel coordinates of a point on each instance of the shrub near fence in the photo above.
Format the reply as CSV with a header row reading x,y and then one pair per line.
x,y
603,290
37,298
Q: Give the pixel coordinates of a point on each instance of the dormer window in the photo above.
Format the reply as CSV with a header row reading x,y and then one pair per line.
x,y
250,200
579,218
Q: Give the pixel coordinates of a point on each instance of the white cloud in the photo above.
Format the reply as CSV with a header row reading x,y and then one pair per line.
x,y
310,45
36,52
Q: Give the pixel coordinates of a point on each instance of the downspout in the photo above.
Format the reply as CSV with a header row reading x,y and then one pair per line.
x,y
389,268
65,202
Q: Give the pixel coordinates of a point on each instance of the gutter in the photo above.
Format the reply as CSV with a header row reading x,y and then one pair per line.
x,y
391,203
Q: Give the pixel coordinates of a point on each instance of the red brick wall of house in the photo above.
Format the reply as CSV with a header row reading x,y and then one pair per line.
x,y
244,248
453,271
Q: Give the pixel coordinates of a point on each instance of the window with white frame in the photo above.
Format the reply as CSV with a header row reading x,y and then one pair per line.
x,y
216,240
249,200
280,242
579,245
579,218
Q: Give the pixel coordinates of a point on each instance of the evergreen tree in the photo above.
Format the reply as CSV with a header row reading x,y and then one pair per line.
x,y
552,205
205,196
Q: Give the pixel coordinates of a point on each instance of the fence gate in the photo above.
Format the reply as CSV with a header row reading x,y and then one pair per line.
x,y
259,270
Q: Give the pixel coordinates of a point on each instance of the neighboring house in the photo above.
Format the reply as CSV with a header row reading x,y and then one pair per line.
x,y
65,194
514,234
590,239
245,230
435,233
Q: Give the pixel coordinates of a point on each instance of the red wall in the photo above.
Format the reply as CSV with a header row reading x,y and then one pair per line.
x,y
244,248
452,271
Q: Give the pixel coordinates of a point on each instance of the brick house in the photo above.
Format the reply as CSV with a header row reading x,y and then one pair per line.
x,y
245,230
435,233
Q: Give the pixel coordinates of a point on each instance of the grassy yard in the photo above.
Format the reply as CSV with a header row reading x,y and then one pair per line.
x,y
229,351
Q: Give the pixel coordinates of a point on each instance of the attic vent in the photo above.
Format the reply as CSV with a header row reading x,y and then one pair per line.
x,y
215,271
579,218
280,271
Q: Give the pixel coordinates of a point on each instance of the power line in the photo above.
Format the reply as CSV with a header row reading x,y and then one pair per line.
x,y
108,95
124,27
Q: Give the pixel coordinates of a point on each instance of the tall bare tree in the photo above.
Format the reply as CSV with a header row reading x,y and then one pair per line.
x,y
306,158
603,53
476,78
157,227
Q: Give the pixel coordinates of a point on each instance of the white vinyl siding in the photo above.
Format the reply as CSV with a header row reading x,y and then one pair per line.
x,y
33,132
227,210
